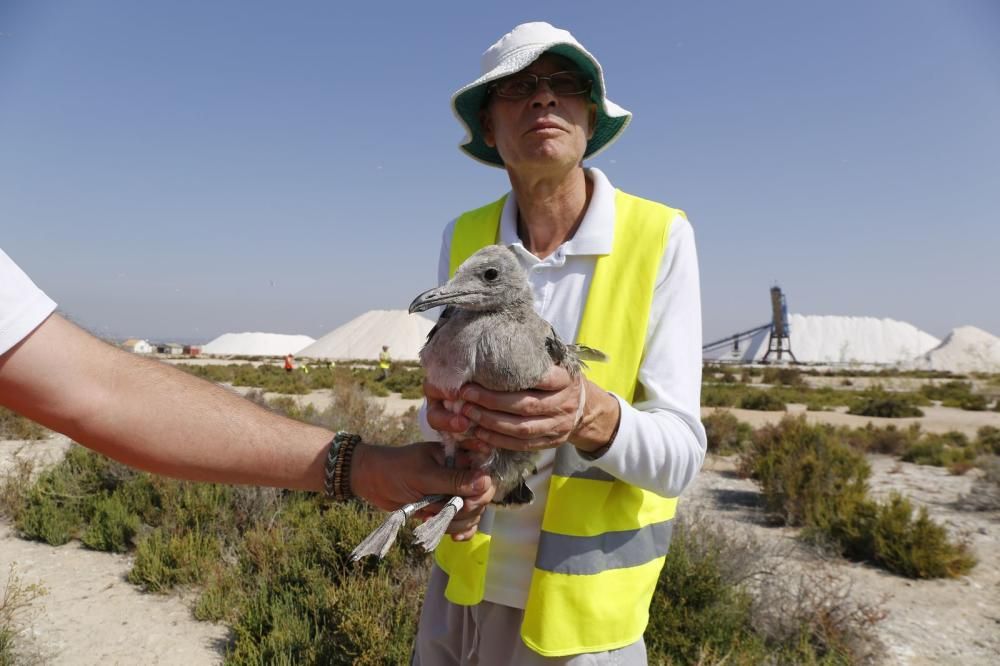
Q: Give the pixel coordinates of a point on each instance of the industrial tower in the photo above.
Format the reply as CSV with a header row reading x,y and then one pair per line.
x,y
779,341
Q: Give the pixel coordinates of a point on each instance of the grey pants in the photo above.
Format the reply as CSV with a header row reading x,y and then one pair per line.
x,y
489,634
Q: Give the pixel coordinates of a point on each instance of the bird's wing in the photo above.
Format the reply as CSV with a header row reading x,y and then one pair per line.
x,y
442,320
585,353
571,355
555,347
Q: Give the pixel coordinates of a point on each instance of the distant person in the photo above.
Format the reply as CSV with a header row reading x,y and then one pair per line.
x,y
289,363
154,417
569,578
384,361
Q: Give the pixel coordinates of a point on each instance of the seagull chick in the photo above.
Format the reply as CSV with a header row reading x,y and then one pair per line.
x,y
490,334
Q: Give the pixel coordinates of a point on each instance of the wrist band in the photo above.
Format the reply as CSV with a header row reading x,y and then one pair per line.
x,y
337,471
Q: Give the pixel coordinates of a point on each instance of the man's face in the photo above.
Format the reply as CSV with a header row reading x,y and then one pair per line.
x,y
543,130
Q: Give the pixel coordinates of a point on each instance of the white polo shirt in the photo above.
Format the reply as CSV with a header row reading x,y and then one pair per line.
x,y
23,306
660,444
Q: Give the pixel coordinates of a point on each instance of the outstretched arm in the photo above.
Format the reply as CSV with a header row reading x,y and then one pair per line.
x,y
157,418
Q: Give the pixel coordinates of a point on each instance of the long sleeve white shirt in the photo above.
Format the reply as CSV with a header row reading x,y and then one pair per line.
x,y
660,444
23,306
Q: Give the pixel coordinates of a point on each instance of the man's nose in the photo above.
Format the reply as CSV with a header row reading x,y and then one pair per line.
x,y
543,95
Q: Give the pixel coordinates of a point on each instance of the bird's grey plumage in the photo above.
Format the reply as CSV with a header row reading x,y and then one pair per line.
x,y
490,334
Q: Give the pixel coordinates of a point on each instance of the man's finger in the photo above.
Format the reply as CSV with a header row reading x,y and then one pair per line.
x,y
440,418
500,441
520,427
556,378
519,403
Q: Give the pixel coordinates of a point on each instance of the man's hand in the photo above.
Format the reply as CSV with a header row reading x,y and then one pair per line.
x,y
390,477
540,418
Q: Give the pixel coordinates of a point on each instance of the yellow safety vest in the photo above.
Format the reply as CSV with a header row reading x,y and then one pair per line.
x,y
603,541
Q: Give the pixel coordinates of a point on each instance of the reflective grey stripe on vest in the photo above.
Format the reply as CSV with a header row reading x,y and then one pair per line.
x,y
570,463
612,550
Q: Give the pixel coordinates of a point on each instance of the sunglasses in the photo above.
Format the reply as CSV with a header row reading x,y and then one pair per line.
x,y
524,85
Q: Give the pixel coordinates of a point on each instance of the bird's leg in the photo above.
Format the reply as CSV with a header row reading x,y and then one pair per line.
x,y
430,533
379,541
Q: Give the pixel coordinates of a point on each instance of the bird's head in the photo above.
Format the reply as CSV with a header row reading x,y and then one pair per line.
x,y
491,279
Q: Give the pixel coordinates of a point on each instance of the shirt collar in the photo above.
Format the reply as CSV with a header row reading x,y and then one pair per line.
x,y
596,233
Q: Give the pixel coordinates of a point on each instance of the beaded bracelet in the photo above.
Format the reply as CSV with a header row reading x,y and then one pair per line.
x,y
337,471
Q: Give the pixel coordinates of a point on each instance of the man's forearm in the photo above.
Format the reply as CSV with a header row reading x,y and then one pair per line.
x,y
149,415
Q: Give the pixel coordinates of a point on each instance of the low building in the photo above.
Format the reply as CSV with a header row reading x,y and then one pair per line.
x,y
192,350
170,348
137,346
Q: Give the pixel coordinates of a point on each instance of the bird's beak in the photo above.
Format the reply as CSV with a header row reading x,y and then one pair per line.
x,y
433,298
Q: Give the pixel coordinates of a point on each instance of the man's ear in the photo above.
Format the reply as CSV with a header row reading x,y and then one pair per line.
x,y
486,123
592,122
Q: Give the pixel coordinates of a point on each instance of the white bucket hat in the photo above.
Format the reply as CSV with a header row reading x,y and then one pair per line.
x,y
513,52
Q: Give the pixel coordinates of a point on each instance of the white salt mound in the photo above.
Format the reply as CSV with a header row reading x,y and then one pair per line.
x,y
965,349
841,339
256,344
363,337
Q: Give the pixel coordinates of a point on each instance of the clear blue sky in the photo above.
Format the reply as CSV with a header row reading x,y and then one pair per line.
x,y
183,169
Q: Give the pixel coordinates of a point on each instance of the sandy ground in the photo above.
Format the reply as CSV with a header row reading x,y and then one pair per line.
x,y
91,615
929,621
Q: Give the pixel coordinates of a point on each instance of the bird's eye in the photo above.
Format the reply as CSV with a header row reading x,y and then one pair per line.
x,y
491,274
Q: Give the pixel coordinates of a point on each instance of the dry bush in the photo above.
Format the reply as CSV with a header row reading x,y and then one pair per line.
x,y
16,614
15,426
985,492
988,440
818,606
15,486
725,597
726,434
353,411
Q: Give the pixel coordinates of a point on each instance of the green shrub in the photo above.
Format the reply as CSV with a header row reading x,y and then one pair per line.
x,y
295,597
783,376
888,535
988,440
726,434
713,395
949,393
808,477
695,609
15,426
112,527
762,401
878,403
973,403
163,560
940,450
64,497
889,440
